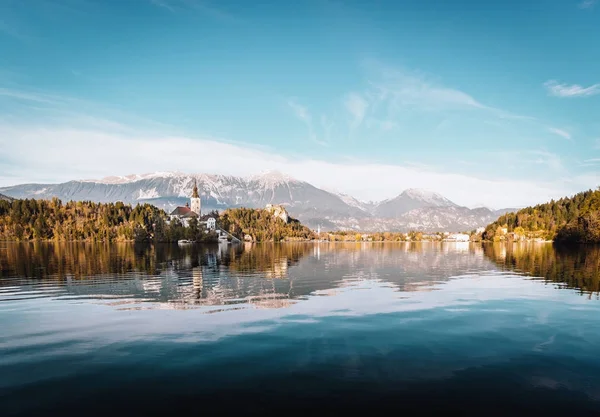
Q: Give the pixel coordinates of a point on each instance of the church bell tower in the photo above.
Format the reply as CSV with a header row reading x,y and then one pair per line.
x,y
195,205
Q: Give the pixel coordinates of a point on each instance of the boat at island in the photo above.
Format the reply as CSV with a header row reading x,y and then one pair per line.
x,y
184,242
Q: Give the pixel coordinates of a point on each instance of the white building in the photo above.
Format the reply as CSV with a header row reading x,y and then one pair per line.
x,y
458,237
211,223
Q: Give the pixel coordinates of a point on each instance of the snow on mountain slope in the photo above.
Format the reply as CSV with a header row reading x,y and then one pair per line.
x,y
413,209
409,200
428,198
271,179
367,207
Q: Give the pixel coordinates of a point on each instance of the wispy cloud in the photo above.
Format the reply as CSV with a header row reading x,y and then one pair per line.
x,y
565,90
300,111
302,114
549,159
394,92
164,4
587,4
204,7
560,132
357,106
403,89
327,126
28,96
384,125
592,162
40,105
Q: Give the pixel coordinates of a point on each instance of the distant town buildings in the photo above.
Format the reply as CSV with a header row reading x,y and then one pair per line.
x,y
458,237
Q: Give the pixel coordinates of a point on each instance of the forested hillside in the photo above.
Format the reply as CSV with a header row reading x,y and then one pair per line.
x,y
83,220
262,226
571,220
88,221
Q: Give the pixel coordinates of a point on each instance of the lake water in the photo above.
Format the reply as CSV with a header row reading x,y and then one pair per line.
x,y
295,328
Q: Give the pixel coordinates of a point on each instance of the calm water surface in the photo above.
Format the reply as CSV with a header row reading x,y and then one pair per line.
x,y
291,328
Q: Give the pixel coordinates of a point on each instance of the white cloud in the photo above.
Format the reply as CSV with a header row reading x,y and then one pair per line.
x,y
357,106
587,4
560,132
55,154
564,90
302,113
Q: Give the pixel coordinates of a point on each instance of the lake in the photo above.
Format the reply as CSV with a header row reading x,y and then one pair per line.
x,y
422,328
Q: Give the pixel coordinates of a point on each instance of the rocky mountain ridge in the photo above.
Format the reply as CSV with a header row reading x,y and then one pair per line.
x,y
412,209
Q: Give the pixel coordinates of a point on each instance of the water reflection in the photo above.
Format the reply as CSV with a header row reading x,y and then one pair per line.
x,y
260,275
570,267
266,275
436,325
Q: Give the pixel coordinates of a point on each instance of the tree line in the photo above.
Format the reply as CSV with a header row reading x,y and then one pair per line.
x,y
32,219
261,226
568,220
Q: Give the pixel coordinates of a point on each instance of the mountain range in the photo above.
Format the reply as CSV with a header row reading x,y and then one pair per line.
x,y
413,209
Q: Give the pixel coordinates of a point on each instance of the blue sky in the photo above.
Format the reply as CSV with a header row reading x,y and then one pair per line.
x,y
493,103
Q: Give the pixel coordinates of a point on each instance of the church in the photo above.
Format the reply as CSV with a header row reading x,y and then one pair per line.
x,y
191,209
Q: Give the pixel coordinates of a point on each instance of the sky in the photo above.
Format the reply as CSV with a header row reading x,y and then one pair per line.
x,y
487,103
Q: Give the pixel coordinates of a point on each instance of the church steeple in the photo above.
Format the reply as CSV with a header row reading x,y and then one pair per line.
x,y
196,205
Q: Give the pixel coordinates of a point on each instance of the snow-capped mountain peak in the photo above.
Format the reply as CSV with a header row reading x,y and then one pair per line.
x,y
271,179
428,197
353,202
126,179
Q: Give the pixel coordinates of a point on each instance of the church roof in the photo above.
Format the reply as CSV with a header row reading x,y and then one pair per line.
x,y
183,212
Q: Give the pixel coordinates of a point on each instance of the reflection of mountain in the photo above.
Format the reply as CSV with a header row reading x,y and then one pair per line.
x,y
261,275
577,267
